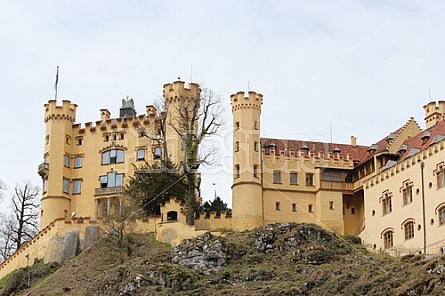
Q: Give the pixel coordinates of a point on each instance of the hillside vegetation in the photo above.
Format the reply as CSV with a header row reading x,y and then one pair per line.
x,y
279,259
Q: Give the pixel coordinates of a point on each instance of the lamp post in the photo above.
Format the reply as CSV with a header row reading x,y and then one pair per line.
x,y
27,268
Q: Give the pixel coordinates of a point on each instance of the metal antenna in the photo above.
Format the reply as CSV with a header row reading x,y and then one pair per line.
x,y
429,92
191,73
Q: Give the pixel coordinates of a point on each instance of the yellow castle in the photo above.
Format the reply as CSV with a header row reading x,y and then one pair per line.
x,y
388,193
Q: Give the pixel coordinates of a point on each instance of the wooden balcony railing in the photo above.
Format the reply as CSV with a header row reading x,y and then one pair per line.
x,y
335,185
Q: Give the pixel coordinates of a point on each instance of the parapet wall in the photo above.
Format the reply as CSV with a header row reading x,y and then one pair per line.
x,y
55,241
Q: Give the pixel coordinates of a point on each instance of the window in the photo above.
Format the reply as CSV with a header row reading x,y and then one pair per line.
x,y
331,205
331,176
409,230
294,207
309,179
237,171
66,185
141,132
442,216
388,239
140,154
310,208
112,179
386,200
407,194
236,125
106,137
76,186
79,141
352,211
293,179
276,177
122,136
236,146
255,170
66,161
255,146
255,125
277,206
113,156
114,137
440,177
45,185
77,162
67,139
47,140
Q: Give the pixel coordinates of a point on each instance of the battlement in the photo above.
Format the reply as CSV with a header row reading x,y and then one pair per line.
x,y
319,159
254,100
434,112
177,90
65,112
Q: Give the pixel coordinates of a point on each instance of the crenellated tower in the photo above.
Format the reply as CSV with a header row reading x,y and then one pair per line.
x,y
55,171
247,198
179,100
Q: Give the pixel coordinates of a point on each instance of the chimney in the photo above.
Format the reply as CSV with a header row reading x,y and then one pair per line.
x,y
353,141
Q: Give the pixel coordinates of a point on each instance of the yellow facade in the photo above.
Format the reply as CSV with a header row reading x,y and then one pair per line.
x,y
388,193
342,187
86,167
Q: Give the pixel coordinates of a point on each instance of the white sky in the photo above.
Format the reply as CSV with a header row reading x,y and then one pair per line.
x,y
364,66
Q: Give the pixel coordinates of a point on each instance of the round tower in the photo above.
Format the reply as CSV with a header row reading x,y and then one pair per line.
x,y
56,167
177,98
247,198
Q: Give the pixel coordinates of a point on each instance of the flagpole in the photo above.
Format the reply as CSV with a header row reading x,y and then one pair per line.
x,y
56,83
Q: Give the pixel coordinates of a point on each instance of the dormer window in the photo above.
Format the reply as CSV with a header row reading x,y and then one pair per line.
x,y
426,136
402,149
336,150
373,148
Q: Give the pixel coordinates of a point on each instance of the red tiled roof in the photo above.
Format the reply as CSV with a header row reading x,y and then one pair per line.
x,y
432,134
316,148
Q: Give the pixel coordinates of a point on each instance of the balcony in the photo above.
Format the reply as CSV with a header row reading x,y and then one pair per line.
x,y
43,169
336,185
109,191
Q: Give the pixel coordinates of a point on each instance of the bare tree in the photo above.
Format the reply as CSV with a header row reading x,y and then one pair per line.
x,y
22,223
193,119
196,119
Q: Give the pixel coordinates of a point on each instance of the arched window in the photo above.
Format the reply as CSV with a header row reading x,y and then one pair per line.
x,y
441,213
113,156
388,239
409,230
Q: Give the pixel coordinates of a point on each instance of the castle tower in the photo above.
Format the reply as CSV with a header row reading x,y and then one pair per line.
x,y
247,200
434,112
177,99
55,169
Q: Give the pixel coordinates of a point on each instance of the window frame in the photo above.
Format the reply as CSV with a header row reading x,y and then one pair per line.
x,y
138,156
78,159
66,161
113,156
408,229
276,177
66,185
77,186
293,181
309,179
388,239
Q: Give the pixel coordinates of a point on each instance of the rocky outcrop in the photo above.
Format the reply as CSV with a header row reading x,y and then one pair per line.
x,y
205,252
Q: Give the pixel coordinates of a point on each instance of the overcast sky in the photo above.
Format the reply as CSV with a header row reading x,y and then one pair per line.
x,y
363,67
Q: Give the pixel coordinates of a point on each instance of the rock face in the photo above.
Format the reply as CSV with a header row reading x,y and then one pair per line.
x,y
203,253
